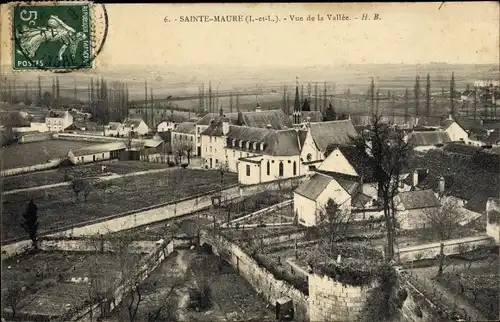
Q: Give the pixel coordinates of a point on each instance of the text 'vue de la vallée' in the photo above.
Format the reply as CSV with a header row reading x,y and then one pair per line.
x,y
271,18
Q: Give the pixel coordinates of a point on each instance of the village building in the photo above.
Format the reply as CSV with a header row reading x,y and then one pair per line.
x,y
112,129
352,161
133,126
426,140
454,130
412,208
311,197
165,126
185,134
98,152
323,134
58,121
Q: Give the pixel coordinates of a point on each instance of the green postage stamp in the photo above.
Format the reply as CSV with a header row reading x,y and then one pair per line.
x,y
52,36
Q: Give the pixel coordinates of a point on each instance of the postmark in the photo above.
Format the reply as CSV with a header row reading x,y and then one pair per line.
x,y
58,36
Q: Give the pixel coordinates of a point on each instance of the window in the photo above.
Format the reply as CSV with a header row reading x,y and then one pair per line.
x,y
191,139
234,154
103,155
294,168
216,161
210,139
215,150
241,154
206,149
248,154
268,168
280,169
248,170
309,157
210,149
215,139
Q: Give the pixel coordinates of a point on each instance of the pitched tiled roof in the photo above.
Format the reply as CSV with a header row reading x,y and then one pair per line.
x,y
418,199
428,121
350,186
276,119
312,188
99,148
214,129
186,128
464,177
469,124
113,126
129,122
477,204
283,142
446,124
362,163
333,132
428,138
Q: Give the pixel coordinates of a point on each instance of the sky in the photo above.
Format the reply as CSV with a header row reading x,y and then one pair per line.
x,y
409,33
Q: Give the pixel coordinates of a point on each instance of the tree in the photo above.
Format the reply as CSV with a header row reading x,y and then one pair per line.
x,y
188,148
330,114
428,96
30,223
391,154
17,295
306,107
81,185
416,92
179,150
333,222
443,222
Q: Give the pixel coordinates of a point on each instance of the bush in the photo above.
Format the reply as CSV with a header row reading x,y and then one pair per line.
x,y
184,165
171,163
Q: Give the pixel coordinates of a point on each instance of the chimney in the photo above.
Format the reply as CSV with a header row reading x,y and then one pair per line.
x,y
441,184
225,126
257,108
450,117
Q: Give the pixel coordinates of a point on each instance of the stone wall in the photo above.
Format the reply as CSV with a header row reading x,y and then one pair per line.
x,y
32,168
261,279
493,219
431,250
330,300
139,217
35,137
93,244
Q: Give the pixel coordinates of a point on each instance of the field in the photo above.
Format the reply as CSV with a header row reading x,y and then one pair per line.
x,y
49,275
26,154
57,207
56,176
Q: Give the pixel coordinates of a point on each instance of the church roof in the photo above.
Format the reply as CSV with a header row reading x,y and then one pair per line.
x,y
333,132
276,142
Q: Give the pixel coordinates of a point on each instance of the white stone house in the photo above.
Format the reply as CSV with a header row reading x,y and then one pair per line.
x,y
352,161
493,219
112,129
57,122
413,206
321,134
455,131
312,195
133,125
427,140
165,126
185,133
96,153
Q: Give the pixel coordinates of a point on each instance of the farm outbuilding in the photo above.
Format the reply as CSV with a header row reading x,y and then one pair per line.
x,y
96,152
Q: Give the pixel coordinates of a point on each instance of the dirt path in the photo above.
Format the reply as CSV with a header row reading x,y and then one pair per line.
x,y
100,178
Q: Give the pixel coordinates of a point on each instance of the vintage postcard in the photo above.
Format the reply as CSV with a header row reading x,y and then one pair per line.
x,y
250,161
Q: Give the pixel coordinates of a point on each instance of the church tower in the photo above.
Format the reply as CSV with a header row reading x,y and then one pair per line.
x,y
297,110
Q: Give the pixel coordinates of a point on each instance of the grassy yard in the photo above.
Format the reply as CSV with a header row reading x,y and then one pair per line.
x,y
55,176
48,278
58,207
26,154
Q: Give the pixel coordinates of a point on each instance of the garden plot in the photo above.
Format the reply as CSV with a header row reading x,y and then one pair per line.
x,y
50,283
58,207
